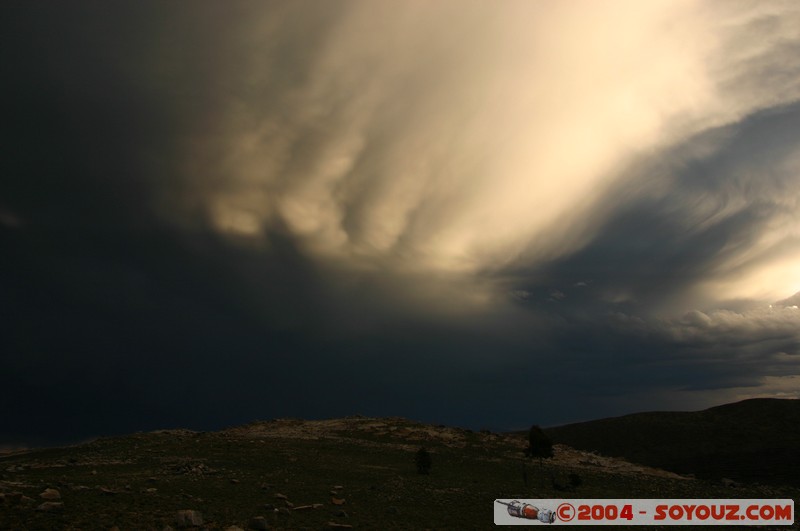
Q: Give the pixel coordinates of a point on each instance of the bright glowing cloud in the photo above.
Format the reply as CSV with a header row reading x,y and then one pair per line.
x,y
457,136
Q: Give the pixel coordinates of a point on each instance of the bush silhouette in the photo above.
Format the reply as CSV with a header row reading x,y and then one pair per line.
x,y
539,444
423,460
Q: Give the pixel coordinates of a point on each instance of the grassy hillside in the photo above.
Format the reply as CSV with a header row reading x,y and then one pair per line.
x,y
355,472
755,440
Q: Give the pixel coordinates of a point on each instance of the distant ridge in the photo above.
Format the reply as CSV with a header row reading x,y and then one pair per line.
x,y
756,440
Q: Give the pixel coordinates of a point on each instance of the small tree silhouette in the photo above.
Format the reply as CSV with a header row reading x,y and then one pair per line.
x,y
423,460
539,444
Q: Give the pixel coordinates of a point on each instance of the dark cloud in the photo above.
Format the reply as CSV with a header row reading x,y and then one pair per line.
x,y
212,214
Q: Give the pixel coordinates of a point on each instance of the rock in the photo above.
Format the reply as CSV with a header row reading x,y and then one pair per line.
x,y
727,482
269,507
289,504
188,518
342,514
50,494
13,498
234,481
197,469
51,507
93,472
303,507
26,501
337,487
107,491
234,528
334,493
337,501
258,522
334,525
318,506
280,496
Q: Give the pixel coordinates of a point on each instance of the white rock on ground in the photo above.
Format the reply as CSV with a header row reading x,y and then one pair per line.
x,y
51,507
188,518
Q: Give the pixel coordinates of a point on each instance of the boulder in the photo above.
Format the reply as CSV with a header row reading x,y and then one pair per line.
x,y
50,494
51,507
258,522
188,518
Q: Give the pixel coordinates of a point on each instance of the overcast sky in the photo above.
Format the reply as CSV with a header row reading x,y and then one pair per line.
x,y
485,214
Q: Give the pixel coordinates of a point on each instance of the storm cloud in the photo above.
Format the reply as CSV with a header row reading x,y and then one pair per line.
x,y
452,211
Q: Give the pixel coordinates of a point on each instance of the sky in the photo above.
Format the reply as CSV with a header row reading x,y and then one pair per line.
x,y
482,214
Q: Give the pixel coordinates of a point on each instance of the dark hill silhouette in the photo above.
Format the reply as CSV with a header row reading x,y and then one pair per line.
x,y
755,440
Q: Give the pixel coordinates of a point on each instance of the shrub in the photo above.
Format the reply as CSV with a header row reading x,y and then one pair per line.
x,y
539,444
423,460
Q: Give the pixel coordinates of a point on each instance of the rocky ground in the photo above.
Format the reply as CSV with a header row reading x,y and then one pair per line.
x,y
346,473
